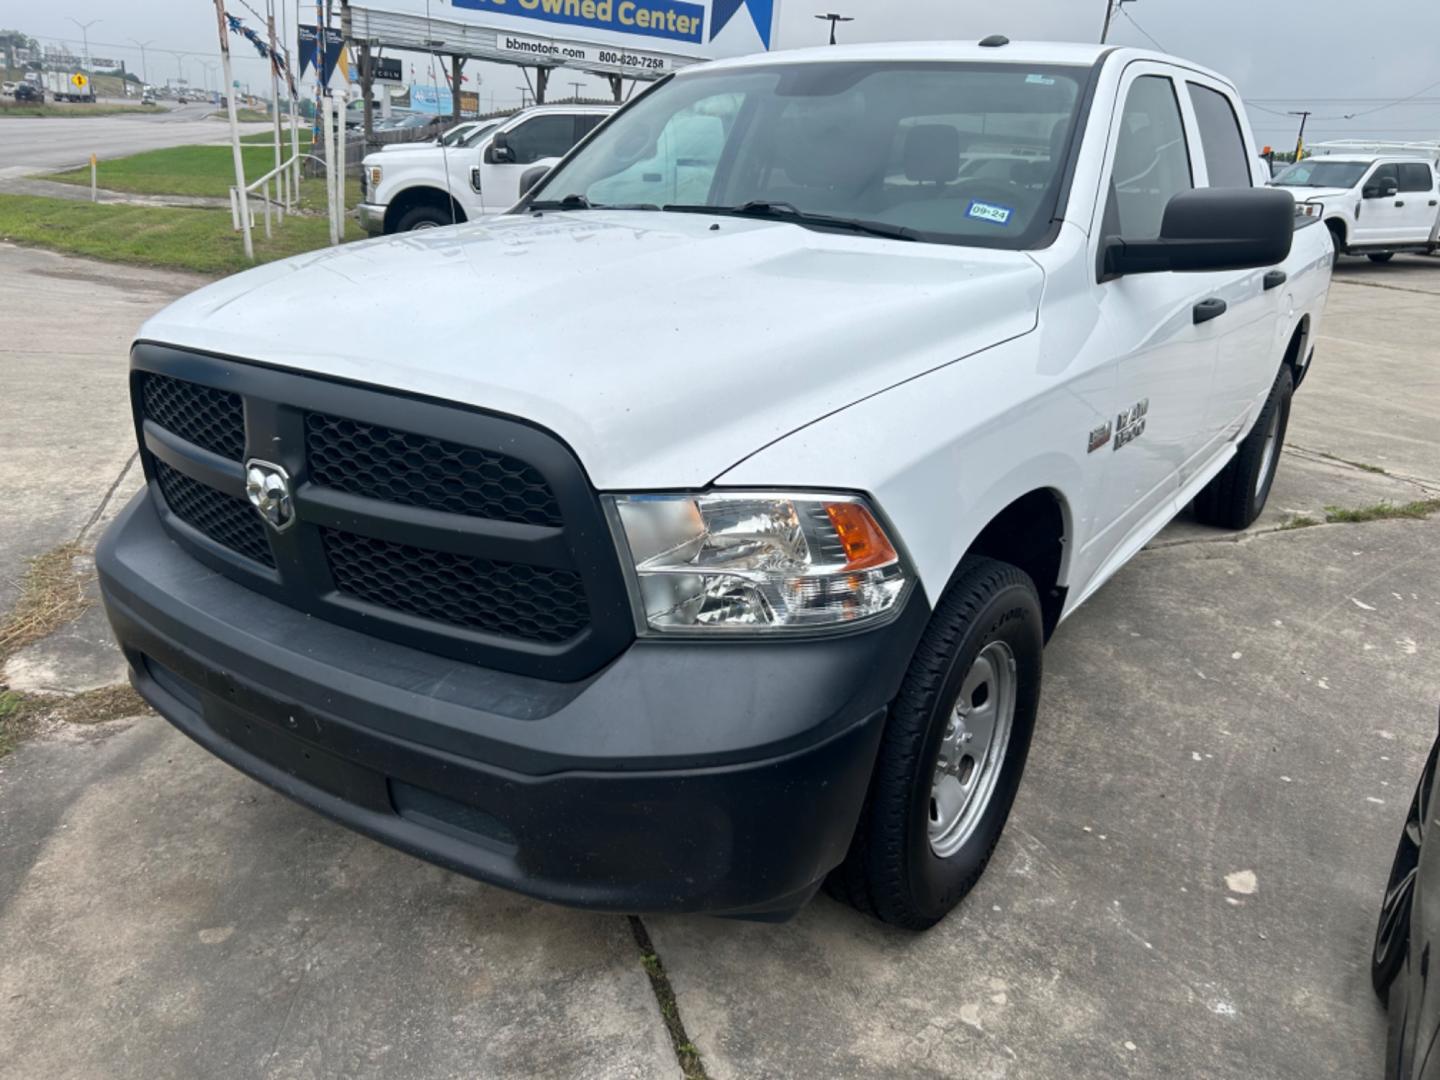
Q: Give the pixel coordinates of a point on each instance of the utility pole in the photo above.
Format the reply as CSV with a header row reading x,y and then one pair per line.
x,y
281,181
1111,7
244,195
85,37
524,95
577,86
144,68
834,20
1304,115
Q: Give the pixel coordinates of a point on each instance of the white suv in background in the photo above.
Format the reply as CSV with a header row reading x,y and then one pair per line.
x,y
427,186
1376,198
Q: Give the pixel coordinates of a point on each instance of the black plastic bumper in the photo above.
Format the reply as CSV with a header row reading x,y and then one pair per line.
x,y
720,777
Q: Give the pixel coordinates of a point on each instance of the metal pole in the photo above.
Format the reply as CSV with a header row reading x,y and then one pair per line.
x,y
234,130
1109,15
340,100
280,182
326,123
144,67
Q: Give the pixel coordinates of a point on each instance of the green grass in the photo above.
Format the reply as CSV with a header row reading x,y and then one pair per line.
x,y
1421,508
267,138
180,170
25,108
180,239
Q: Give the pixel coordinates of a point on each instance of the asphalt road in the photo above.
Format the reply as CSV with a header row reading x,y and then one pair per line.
x,y
31,145
1229,735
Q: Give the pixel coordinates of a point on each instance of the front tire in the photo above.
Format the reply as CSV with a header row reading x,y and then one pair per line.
x,y
1237,494
953,751
425,217
1382,257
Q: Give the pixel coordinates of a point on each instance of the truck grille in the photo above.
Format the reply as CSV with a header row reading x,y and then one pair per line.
x,y
410,523
417,470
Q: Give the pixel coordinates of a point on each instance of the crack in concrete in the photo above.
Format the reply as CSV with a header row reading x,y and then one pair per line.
x,y
687,1056
109,494
1381,285
1325,458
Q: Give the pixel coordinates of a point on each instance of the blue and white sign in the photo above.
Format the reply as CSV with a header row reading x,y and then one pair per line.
x,y
692,29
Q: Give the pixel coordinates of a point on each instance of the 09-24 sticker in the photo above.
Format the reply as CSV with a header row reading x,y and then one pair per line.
x,y
994,213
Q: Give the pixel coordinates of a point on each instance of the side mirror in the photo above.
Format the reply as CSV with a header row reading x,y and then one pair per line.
x,y
1210,229
499,151
530,177
1385,189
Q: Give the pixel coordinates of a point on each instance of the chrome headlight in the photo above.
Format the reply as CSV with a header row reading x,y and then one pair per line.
x,y
758,561
1310,209
376,172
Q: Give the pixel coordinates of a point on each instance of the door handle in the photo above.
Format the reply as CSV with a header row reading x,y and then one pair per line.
x,y
1274,279
1435,202
1209,309
1399,202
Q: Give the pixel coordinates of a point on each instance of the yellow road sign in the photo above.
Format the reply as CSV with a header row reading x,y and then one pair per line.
x,y
79,80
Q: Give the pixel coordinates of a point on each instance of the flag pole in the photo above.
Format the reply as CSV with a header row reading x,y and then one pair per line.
x,y
234,130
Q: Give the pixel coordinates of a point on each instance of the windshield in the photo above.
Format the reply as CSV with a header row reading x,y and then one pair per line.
x,y
958,153
455,135
472,138
1314,173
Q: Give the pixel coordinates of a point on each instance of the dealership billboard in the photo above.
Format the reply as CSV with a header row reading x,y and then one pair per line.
x,y
633,34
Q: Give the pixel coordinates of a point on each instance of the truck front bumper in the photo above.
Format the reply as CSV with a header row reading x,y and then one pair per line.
x,y
372,218
686,776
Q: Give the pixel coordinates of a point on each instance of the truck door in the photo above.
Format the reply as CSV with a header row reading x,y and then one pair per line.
x,y
515,151
1382,216
1417,193
1247,354
1164,359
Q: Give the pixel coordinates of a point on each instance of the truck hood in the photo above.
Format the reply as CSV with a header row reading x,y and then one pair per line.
x,y
663,348
1309,194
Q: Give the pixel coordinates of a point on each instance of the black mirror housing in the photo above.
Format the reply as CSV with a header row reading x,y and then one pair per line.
x,y
1386,190
499,152
1210,229
530,177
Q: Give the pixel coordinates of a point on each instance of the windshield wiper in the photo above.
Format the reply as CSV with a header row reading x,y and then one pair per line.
x,y
580,202
785,211
569,202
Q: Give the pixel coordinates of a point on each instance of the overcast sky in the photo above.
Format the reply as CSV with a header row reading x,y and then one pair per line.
x,y
1324,55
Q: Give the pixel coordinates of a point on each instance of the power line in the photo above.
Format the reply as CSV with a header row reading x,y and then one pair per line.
x,y
1148,36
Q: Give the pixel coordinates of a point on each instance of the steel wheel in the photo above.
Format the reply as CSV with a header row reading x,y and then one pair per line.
x,y
972,749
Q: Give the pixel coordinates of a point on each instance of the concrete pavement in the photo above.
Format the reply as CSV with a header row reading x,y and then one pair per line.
x,y
1229,736
30,145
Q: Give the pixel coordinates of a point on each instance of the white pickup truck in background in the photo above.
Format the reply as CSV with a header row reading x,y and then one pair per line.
x,y
701,541
432,184
1377,199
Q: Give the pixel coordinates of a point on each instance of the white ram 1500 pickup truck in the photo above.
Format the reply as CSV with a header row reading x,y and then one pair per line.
x,y
699,545
1376,199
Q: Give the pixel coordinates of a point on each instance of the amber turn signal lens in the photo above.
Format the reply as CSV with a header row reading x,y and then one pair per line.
x,y
865,543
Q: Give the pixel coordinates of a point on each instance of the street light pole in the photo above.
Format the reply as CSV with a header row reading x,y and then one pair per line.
x,y
144,68
85,37
834,20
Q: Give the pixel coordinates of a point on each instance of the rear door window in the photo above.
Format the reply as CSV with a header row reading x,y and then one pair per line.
x,y
1220,138
1415,176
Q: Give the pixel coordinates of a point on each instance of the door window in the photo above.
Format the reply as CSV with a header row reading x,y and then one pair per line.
x,y
1220,138
1415,176
542,137
1152,163
1384,175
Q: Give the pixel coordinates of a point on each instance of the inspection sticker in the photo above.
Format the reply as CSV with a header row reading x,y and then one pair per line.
x,y
1040,80
982,211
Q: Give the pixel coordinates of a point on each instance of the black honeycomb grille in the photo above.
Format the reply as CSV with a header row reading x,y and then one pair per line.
x,y
418,470
528,602
225,519
214,419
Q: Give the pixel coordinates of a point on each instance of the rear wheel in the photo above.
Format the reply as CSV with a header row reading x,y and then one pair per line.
x,y
953,752
1382,257
1237,495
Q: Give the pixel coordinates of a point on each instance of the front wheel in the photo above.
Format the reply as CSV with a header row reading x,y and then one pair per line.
x,y
953,751
1237,495
1382,257
425,217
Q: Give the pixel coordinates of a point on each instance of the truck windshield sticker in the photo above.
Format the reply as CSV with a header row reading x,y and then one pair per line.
x,y
1040,80
982,211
